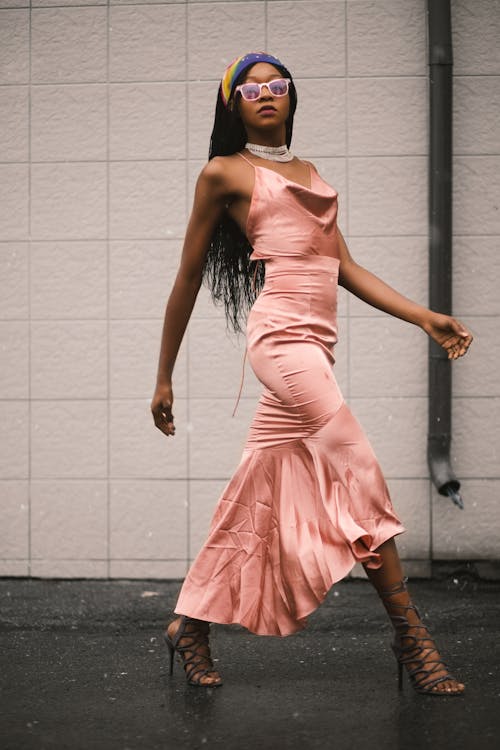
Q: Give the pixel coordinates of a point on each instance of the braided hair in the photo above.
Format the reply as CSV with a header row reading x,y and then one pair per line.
x,y
227,271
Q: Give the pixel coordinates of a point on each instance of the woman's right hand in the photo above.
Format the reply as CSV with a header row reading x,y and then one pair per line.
x,y
161,407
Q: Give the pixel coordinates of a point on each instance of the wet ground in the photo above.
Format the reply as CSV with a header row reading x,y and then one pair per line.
x,y
83,665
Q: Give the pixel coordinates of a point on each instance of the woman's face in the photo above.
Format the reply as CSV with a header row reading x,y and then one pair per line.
x,y
267,111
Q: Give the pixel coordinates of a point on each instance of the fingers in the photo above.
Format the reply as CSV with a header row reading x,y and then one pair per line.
x,y
167,422
164,419
463,332
457,347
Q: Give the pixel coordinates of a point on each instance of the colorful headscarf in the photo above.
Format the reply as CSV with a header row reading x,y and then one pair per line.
x,y
235,68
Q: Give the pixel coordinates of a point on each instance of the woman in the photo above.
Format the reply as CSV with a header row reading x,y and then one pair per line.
x,y
308,499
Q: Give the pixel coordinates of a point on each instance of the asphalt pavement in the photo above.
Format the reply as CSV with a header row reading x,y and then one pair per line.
x,y
84,665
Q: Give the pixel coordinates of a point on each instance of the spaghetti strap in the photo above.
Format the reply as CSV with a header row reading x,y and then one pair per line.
x,y
245,158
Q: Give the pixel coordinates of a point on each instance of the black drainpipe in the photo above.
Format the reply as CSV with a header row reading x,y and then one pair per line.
x,y
440,243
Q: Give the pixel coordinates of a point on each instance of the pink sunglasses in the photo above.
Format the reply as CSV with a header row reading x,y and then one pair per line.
x,y
253,91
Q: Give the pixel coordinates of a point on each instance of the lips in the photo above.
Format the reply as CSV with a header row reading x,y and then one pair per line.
x,y
266,108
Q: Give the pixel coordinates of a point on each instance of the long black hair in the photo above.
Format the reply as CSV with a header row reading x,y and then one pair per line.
x,y
228,272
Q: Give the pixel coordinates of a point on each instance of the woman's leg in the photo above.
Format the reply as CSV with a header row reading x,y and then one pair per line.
x,y
388,581
189,637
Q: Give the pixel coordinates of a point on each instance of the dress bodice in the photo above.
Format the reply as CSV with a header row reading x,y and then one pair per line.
x,y
288,219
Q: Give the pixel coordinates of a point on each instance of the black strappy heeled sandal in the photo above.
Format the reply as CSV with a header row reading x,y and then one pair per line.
x,y
411,652
195,651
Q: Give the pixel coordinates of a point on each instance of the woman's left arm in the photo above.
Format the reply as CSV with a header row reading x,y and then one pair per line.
x,y
446,330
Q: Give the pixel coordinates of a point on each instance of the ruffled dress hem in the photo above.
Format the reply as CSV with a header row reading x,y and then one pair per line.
x,y
301,620
290,524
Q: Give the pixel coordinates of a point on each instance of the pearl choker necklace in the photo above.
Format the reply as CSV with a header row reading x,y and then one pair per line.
x,y
273,153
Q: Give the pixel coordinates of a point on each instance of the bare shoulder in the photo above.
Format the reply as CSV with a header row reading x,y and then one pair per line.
x,y
212,180
222,174
220,169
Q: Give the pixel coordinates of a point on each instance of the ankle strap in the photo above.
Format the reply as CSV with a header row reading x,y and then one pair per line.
x,y
397,588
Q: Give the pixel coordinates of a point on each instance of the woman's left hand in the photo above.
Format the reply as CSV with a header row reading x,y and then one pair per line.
x,y
449,333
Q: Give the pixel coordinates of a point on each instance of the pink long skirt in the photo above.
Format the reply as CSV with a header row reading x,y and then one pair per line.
x,y
308,499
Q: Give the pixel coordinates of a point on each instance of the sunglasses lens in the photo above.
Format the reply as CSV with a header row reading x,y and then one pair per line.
x,y
250,91
278,87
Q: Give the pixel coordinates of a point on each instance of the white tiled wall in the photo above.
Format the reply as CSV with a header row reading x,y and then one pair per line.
x,y
105,115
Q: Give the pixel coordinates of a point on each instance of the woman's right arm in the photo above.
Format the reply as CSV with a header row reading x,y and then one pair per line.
x,y
209,201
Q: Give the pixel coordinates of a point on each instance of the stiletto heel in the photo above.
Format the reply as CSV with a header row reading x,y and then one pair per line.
x,y
171,652
194,651
415,652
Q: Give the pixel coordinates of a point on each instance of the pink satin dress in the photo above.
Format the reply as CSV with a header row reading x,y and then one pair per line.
x,y
308,499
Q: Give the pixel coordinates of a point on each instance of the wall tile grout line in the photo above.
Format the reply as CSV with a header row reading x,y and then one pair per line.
x,y
199,159
229,399
135,239
30,405
265,26
126,479
108,300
